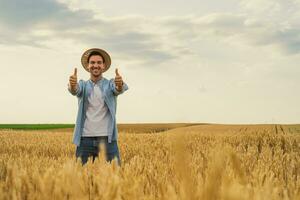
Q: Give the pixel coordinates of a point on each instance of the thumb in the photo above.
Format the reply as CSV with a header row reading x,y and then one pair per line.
x,y
75,71
117,72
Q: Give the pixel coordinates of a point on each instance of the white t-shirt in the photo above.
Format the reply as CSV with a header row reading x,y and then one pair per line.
x,y
97,115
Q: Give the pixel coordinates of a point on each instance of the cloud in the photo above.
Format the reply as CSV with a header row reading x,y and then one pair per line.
x,y
20,14
19,19
149,40
23,21
274,22
238,28
289,40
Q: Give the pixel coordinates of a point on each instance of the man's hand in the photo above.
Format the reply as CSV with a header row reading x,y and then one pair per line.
x,y
118,81
73,81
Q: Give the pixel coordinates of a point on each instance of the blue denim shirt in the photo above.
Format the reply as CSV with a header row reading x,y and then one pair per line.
x,y
110,93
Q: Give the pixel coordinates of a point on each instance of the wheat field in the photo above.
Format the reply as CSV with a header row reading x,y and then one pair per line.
x,y
206,162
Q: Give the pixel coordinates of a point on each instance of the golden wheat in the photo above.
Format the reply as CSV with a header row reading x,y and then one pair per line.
x,y
196,162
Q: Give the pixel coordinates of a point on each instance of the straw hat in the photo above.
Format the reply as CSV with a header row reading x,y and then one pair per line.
x,y
105,55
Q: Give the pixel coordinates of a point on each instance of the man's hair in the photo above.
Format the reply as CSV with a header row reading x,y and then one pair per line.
x,y
95,53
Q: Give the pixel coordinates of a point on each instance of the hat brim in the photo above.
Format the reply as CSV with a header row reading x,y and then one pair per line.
x,y
85,55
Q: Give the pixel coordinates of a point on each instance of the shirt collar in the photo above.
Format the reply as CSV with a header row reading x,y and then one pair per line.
x,y
97,83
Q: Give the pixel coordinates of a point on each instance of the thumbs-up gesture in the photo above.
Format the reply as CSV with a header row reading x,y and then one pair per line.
x,y
118,81
73,80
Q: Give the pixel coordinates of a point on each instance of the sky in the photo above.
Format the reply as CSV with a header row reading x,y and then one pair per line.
x,y
230,61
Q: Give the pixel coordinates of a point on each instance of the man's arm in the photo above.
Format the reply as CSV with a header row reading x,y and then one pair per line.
x,y
115,90
74,87
75,90
118,86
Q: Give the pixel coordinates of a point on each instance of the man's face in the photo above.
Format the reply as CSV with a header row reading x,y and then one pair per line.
x,y
96,65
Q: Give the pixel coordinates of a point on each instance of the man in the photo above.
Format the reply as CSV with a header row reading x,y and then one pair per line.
x,y
97,103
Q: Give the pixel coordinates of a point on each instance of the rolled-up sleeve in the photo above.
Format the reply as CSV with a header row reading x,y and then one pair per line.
x,y
79,89
113,87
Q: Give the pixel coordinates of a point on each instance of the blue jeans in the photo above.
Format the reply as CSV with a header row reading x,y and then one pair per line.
x,y
89,147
